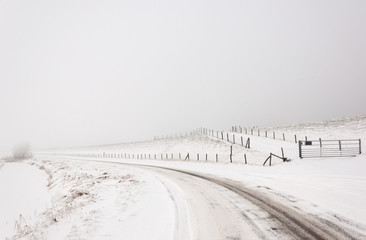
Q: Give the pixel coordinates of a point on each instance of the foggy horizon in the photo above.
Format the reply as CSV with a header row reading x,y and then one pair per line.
x,y
78,73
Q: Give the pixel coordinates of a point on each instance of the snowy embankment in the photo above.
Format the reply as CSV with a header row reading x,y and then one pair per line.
x,y
51,199
23,197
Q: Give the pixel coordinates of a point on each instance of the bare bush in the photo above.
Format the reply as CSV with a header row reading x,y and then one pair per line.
x,y
22,151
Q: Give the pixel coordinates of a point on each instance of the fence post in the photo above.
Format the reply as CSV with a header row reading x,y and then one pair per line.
x,y
222,136
359,144
233,138
245,158
247,145
283,155
206,157
227,136
180,156
231,153
283,135
274,135
295,139
300,155
242,140
258,133
198,156
265,133
270,160
217,157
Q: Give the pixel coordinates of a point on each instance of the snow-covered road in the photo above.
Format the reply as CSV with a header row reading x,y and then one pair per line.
x,y
210,207
114,199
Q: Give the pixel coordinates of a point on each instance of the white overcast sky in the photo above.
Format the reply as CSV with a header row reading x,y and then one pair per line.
x,y
96,72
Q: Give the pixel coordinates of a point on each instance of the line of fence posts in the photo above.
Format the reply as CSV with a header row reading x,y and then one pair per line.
x,y
153,156
242,130
202,130
234,129
176,135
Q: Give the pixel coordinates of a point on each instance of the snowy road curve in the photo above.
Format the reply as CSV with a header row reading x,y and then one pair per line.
x,y
208,207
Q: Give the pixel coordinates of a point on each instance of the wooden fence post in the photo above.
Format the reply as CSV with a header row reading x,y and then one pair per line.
x,y
270,160
265,133
245,158
247,145
198,156
231,153
233,138
222,136
227,136
283,155
283,135
300,155
258,133
217,157
295,139
274,135
242,140
359,144
206,157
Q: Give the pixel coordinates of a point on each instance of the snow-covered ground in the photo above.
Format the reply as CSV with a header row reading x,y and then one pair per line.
x,y
80,198
53,199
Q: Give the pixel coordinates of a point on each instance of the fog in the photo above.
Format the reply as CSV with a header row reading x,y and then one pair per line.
x,y
75,73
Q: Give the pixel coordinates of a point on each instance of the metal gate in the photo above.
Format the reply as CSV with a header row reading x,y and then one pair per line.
x,y
329,148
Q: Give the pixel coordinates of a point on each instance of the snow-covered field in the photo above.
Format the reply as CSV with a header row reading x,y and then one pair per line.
x,y
58,195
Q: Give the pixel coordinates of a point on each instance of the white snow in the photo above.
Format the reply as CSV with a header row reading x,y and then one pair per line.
x,y
87,200
116,206
24,195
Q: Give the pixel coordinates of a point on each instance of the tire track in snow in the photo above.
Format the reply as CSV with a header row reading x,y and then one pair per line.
x,y
292,222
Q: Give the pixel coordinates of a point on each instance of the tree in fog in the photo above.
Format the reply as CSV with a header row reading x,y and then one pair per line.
x,y
22,151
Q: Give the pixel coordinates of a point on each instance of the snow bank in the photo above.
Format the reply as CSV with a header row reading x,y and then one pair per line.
x,y
85,200
23,197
